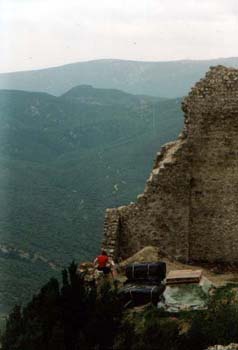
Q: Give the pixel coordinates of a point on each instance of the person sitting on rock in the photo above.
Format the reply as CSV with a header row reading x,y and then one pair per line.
x,y
104,263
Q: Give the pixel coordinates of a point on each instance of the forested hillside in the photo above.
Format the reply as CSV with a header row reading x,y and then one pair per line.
x,y
63,161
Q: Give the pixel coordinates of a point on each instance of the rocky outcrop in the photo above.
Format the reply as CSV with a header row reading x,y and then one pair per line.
x,y
20,254
189,208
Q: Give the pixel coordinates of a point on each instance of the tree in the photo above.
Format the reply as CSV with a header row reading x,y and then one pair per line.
x,y
14,328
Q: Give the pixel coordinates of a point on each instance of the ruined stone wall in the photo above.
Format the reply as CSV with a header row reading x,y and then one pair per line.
x,y
189,208
211,112
111,232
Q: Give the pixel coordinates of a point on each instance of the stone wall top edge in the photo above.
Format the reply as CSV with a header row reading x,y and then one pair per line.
x,y
218,81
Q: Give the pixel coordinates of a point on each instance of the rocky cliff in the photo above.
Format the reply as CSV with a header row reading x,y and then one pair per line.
x,y
190,203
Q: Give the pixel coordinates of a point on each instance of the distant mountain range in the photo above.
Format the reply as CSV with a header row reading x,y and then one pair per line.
x,y
63,161
162,79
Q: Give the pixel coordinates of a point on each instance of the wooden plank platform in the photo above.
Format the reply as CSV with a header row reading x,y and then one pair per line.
x,y
184,276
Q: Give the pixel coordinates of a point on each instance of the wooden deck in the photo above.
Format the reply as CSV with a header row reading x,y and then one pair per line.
x,y
184,276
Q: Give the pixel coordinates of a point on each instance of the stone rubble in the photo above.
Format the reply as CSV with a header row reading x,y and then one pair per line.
x,y
226,347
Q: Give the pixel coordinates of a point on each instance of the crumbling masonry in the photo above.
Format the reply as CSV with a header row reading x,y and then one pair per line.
x,y
189,208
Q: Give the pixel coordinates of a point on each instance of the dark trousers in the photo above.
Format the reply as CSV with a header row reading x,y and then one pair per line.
x,y
106,270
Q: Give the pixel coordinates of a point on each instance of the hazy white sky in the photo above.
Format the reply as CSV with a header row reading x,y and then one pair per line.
x,y
44,33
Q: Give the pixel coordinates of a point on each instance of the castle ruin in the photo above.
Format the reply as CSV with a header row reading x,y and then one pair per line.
x,y
189,208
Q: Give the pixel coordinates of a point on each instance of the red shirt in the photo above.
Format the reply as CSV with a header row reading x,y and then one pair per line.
x,y
102,260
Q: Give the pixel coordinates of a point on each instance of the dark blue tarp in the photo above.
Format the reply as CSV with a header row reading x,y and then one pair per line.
x,y
147,272
136,295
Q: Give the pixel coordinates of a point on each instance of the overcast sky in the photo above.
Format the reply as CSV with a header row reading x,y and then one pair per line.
x,y
45,33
